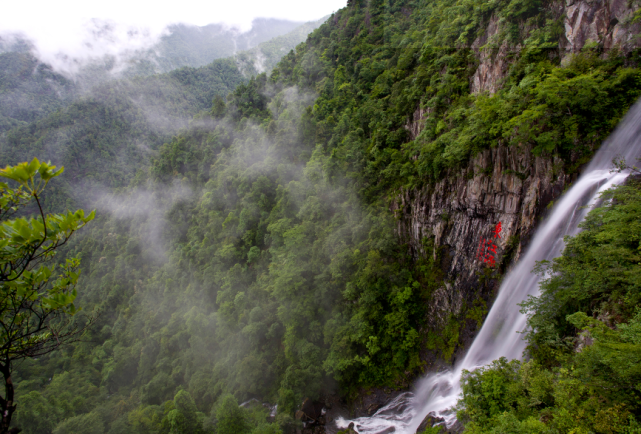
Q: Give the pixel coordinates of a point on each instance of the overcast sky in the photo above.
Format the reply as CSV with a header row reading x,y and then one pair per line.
x,y
74,26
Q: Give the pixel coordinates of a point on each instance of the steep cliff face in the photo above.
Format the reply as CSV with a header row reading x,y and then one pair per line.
x,y
505,185
493,63
502,185
605,22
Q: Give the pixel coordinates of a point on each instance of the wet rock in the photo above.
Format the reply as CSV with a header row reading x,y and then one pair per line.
x,y
372,408
456,428
428,422
310,411
432,420
349,430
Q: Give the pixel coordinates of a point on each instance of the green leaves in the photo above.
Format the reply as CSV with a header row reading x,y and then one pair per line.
x,y
25,174
598,270
32,294
287,270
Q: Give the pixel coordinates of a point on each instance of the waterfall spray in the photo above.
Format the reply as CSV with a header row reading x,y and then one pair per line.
x,y
499,337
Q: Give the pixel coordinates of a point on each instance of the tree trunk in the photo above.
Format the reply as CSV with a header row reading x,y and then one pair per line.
x,y
8,407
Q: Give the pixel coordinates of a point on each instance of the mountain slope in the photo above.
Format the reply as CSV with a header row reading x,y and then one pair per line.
x,y
256,51
262,253
104,138
194,46
107,133
29,89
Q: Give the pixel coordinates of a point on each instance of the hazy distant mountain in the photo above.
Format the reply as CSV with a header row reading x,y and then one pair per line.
x,y
265,56
188,45
31,89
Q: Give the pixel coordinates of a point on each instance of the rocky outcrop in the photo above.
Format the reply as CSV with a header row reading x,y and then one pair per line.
x,y
605,22
431,420
510,186
502,185
312,415
416,124
311,412
493,59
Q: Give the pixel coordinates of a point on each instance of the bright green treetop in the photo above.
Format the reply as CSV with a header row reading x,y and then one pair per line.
x,y
36,299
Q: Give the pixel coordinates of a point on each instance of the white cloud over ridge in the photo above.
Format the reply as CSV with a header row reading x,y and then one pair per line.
x,y
67,30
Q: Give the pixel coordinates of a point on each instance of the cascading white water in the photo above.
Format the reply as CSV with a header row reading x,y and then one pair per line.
x,y
499,337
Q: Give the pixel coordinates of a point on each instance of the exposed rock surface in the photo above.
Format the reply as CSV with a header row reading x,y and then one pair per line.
x,y
416,124
310,411
312,415
493,62
428,422
432,420
500,185
606,22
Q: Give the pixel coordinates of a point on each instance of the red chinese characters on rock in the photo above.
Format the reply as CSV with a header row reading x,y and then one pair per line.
x,y
487,249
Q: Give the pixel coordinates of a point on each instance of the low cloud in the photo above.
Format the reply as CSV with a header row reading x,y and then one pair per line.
x,y
148,209
68,36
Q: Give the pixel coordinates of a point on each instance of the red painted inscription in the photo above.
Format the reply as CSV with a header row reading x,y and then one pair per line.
x,y
487,249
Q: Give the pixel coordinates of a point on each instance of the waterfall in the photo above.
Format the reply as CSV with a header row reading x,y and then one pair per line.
x,y
499,337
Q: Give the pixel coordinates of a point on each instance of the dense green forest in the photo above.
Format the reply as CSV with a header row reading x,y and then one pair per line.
x,y
105,135
253,254
104,138
198,46
29,89
265,56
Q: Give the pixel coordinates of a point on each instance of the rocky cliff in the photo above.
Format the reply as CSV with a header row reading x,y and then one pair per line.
x,y
501,185
609,23
506,185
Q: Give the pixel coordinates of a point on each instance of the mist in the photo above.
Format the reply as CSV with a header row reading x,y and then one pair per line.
x,y
70,34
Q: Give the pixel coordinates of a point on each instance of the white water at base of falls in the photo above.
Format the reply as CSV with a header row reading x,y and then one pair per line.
x,y
499,337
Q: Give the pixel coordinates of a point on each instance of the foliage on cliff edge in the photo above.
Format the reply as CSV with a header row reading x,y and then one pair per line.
x,y
584,341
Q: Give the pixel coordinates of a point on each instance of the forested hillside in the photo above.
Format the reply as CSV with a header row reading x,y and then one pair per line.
x,y
265,56
104,129
584,340
31,89
255,254
264,44
105,137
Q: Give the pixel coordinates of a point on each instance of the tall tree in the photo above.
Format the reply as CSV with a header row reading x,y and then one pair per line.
x,y
36,296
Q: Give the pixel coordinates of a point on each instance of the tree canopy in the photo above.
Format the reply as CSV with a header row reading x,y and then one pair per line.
x,y
36,299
